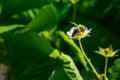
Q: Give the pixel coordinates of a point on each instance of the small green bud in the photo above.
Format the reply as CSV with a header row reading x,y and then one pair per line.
x,y
107,52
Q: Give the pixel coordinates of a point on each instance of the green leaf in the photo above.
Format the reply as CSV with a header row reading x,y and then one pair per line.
x,y
114,71
41,72
30,52
66,70
9,27
46,19
28,48
11,7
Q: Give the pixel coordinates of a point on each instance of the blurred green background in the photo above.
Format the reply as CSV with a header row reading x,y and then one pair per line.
x,y
30,31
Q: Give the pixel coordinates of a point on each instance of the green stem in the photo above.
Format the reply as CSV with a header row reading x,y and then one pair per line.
x,y
88,60
105,70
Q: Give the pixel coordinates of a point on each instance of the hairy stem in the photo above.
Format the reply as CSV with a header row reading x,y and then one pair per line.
x,y
88,60
105,70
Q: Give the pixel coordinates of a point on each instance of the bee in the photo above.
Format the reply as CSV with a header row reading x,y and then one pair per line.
x,y
79,31
75,31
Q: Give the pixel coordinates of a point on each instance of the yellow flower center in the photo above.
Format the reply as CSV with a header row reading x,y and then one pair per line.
x,y
81,30
80,33
107,51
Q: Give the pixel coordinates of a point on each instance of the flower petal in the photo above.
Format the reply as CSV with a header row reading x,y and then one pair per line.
x,y
69,33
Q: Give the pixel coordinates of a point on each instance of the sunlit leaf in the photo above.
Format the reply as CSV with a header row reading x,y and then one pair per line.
x,y
9,27
114,71
66,70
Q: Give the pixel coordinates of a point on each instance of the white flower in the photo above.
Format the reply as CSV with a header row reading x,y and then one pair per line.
x,y
78,32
